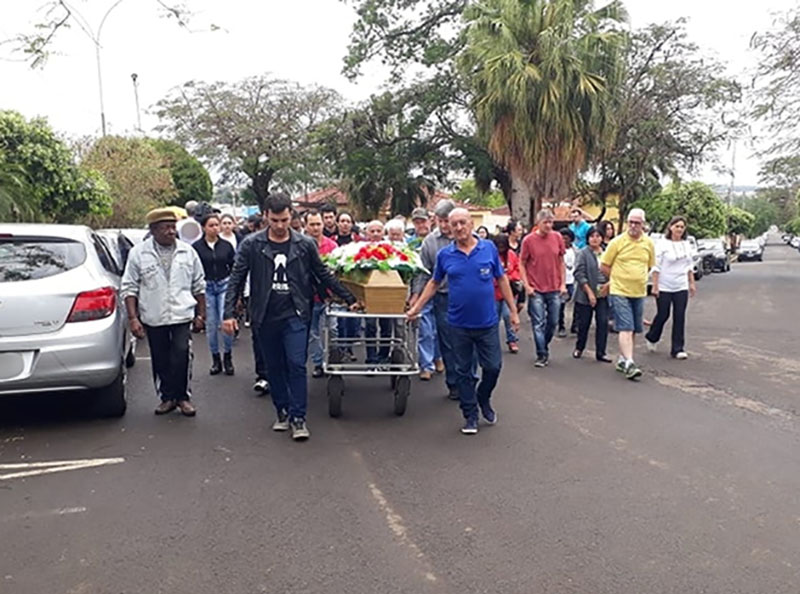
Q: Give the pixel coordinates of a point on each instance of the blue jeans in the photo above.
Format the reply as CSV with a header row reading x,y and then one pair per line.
x,y
443,334
318,321
505,314
543,309
349,328
284,344
381,353
215,304
427,338
466,342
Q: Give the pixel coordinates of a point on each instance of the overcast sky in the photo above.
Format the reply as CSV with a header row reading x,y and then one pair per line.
x,y
303,40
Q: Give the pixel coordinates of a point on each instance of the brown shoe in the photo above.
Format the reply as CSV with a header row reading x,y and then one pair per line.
x,y
187,408
425,375
167,406
439,366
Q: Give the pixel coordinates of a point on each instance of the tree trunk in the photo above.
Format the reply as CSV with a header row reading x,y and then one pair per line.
x,y
520,199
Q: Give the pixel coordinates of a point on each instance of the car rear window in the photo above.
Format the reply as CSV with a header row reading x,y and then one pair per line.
x,y
32,258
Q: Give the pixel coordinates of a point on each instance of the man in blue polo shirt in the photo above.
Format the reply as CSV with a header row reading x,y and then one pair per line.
x,y
471,266
579,228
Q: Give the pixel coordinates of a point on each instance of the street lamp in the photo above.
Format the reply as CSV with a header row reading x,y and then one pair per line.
x,y
134,78
95,37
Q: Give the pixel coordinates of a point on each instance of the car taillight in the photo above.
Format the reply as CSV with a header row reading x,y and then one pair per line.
x,y
93,305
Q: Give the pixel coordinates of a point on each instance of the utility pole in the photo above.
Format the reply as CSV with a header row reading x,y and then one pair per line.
x,y
134,78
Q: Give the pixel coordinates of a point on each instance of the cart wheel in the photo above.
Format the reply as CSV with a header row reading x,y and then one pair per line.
x,y
401,391
335,393
397,358
393,381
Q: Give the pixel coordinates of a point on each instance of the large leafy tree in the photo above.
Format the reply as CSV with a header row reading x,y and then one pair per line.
x,y
259,127
56,188
777,82
670,112
705,212
138,176
542,73
387,148
191,179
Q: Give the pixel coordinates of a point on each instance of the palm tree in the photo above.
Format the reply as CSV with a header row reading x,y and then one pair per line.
x,y
542,74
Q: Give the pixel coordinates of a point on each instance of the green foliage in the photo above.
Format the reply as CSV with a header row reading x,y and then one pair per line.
x,y
668,111
386,148
740,222
764,210
56,189
542,74
705,213
15,195
191,179
260,127
777,81
469,192
138,176
793,226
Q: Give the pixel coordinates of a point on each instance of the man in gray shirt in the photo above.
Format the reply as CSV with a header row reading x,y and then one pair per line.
x,y
437,307
164,292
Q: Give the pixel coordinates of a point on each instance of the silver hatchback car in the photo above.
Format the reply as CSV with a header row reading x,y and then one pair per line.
x,y
62,324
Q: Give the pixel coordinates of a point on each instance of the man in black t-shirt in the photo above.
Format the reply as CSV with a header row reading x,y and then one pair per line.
x,y
285,273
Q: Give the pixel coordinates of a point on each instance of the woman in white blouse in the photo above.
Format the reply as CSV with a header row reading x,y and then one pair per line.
x,y
673,284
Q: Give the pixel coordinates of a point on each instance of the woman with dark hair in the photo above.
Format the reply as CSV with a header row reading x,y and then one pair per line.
x,y
227,225
673,284
591,296
514,231
217,256
510,263
607,232
344,224
483,232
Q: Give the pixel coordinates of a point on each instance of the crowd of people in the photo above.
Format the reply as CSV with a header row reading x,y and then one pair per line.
x,y
268,274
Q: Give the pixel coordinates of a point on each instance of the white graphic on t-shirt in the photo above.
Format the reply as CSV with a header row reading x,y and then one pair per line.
x,y
279,281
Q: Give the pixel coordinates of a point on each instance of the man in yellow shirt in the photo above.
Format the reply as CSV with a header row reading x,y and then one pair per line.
x,y
627,262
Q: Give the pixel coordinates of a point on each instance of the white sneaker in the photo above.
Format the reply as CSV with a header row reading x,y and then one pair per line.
x,y
651,346
681,355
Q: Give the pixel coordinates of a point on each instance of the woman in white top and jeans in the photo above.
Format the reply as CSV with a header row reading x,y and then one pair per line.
x,y
673,284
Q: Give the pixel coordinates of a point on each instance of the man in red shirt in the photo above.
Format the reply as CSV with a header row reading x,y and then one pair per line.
x,y
314,229
543,274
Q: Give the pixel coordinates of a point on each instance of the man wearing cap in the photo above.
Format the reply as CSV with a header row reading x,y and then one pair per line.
x,y
627,262
431,246
428,345
164,291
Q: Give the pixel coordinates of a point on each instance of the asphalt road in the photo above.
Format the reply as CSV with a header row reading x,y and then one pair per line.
x,y
686,482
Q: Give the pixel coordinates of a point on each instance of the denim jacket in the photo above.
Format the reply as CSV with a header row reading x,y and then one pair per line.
x,y
163,301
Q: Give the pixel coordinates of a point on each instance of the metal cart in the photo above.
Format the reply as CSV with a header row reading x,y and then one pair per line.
x,y
403,359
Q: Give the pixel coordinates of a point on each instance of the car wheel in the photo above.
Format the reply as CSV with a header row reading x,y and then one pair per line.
x,y
111,401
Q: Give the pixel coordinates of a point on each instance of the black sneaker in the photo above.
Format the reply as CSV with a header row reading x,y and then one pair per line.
x,y
318,372
470,426
452,393
281,422
562,333
261,386
489,415
300,431
540,362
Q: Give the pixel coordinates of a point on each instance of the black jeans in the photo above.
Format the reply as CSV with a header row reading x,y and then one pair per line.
x,y
171,360
678,302
583,313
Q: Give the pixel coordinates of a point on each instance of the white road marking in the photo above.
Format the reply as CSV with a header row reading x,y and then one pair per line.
x,y
26,469
64,511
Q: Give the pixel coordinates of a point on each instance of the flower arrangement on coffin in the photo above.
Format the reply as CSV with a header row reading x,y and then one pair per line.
x,y
363,256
